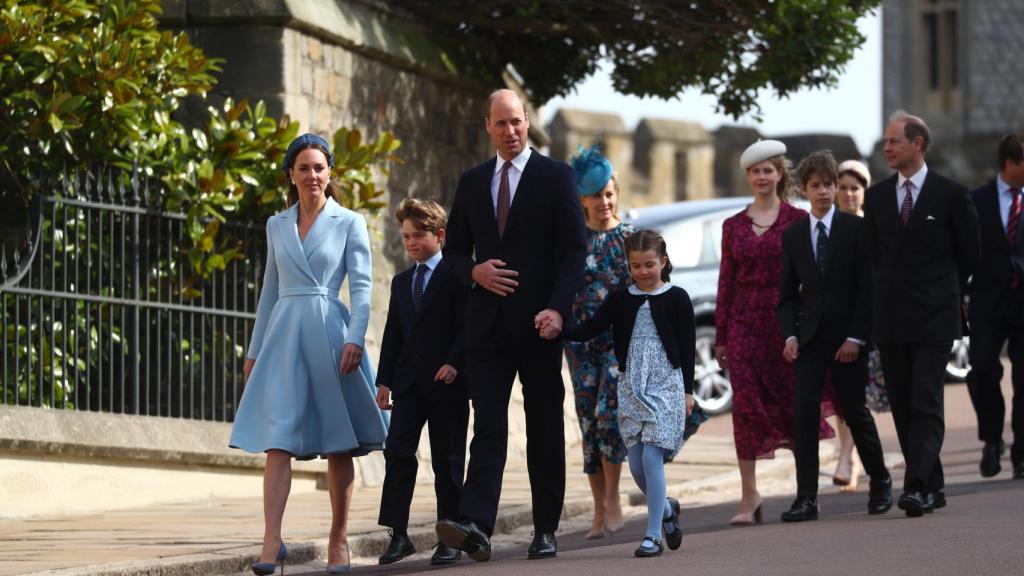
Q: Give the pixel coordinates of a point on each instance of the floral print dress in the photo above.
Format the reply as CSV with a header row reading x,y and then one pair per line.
x,y
592,365
748,326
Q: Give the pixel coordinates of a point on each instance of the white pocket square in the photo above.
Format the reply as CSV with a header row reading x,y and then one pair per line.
x,y
930,217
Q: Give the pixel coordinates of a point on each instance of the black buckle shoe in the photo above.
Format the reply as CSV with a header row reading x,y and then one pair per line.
x,y
880,496
990,456
674,538
400,547
444,555
543,546
804,508
913,503
648,551
467,537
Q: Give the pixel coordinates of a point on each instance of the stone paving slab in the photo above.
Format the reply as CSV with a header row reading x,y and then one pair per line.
x,y
221,536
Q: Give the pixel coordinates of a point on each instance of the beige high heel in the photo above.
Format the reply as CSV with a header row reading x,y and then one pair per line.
x,y
749,518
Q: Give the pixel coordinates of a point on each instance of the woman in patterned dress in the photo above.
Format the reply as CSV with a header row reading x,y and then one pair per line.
x,y
854,179
592,365
748,342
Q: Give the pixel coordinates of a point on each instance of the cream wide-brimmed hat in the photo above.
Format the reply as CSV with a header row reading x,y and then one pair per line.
x,y
760,151
858,168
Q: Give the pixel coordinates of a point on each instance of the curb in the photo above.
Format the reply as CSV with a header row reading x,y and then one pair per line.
x,y
368,546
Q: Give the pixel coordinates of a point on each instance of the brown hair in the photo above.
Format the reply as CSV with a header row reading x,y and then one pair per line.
x,y
913,127
615,186
856,176
786,188
819,163
293,190
649,240
1011,149
426,215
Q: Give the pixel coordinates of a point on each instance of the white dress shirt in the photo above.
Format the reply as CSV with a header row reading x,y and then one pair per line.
x,y
1005,200
916,181
515,172
431,264
827,221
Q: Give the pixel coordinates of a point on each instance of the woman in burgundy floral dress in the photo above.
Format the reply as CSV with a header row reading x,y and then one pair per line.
x,y
749,343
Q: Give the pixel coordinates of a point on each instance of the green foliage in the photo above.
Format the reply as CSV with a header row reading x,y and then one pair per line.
x,y
85,82
730,49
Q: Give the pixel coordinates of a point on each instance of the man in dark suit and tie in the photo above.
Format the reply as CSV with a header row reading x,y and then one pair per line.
x,y
825,316
516,235
922,230
997,308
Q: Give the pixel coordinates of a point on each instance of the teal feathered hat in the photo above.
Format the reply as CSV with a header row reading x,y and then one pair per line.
x,y
593,171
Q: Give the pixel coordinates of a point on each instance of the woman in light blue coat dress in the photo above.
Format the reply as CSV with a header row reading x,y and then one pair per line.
x,y
309,387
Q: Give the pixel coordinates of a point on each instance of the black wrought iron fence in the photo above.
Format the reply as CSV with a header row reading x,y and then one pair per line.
x,y
100,313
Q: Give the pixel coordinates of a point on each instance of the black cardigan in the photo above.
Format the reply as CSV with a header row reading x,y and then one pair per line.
x,y
673,317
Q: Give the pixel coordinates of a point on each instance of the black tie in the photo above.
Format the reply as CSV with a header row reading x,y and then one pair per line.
x,y
822,246
417,287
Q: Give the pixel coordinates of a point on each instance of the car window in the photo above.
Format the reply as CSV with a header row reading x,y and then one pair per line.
x,y
685,242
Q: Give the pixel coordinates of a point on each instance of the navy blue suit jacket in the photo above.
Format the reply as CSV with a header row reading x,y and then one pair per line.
x,y
921,268
990,284
544,241
415,346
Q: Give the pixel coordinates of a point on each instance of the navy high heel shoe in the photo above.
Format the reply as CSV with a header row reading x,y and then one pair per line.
x,y
268,568
340,568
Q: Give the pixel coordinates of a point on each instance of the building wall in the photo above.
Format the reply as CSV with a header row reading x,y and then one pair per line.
x,y
968,118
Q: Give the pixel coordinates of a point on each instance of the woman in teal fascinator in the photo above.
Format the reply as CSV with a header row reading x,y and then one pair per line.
x,y
592,365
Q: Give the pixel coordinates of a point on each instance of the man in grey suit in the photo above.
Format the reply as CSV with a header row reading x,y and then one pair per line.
x,y
922,230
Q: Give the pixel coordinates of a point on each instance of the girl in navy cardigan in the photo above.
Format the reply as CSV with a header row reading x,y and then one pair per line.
x,y
653,329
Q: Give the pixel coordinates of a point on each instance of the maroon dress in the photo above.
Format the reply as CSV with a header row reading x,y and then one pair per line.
x,y
747,325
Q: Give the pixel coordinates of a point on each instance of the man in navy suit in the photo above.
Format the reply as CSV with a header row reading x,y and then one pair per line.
x,y
922,230
825,316
516,235
997,308
418,379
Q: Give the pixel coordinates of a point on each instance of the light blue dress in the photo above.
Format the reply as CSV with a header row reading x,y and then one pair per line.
x,y
296,398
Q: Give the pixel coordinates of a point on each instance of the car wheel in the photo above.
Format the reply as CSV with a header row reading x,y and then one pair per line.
x,y
711,387
959,360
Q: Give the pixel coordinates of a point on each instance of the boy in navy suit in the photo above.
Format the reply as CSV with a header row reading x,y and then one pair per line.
x,y
420,359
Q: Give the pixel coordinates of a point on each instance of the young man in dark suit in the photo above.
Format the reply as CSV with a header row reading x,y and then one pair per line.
x,y
516,236
825,316
997,309
922,230
420,358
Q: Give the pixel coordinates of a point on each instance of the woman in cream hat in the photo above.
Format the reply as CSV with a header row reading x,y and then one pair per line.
x,y
749,341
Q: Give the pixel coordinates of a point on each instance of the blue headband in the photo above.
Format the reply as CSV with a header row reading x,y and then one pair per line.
x,y
593,171
299,144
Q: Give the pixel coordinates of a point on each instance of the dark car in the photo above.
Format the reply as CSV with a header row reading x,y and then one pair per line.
x,y
693,233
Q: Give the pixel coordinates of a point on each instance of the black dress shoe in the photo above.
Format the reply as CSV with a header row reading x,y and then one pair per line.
x,y
804,508
648,551
1018,471
880,496
400,547
913,503
990,456
445,555
936,499
465,536
674,538
543,546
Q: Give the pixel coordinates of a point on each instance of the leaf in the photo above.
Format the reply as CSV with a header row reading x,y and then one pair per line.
x,y
56,123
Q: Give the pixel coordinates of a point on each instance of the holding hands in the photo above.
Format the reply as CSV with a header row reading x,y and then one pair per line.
x,y
549,323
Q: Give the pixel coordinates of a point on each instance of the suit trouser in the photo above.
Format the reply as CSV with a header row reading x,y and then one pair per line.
x,y
447,417
914,377
984,381
849,380
491,367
